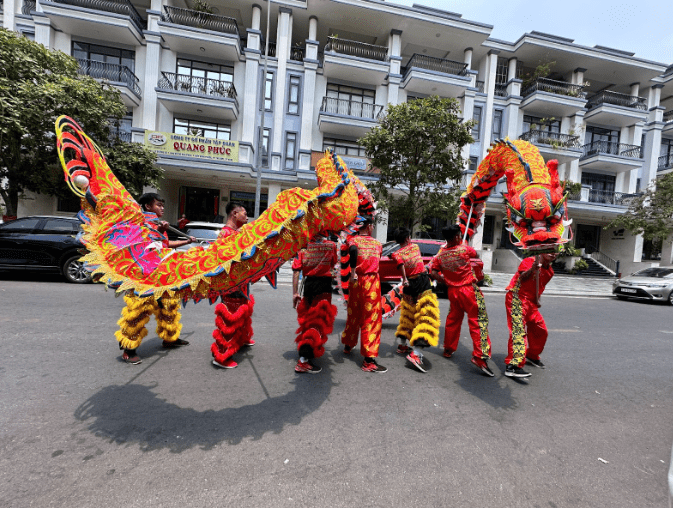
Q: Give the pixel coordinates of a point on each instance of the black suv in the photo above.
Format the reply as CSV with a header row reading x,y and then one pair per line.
x,y
44,243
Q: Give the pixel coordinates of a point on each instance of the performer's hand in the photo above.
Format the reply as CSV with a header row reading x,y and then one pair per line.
x,y
354,277
192,239
296,298
162,226
405,283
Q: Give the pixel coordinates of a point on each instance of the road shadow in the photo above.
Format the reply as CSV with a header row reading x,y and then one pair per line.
x,y
133,414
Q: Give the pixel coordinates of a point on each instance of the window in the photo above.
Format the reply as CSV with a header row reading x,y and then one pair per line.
x,y
293,96
350,101
205,70
204,78
501,70
290,150
534,123
247,199
666,147
602,187
59,226
20,225
343,147
121,129
594,134
489,229
474,162
268,91
202,129
476,117
265,148
104,55
497,124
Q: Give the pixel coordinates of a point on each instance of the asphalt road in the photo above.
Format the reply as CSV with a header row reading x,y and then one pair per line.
x,y
80,428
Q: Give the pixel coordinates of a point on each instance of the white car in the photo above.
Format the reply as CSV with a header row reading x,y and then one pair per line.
x,y
655,283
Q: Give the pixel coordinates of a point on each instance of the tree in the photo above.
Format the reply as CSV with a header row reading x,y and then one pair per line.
x,y
38,85
650,214
417,149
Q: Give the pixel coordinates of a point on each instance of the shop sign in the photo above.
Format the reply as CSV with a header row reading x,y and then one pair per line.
x,y
192,147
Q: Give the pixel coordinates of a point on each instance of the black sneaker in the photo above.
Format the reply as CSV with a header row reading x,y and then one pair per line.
x,y
372,366
514,371
483,365
535,363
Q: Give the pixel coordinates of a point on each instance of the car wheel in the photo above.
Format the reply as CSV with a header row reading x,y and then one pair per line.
x,y
74,271
620,297
670,298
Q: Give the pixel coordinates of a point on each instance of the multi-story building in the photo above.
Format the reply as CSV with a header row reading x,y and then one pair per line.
x,y
195,89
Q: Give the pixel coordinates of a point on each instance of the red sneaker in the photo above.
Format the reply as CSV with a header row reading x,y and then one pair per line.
x,y
307,367
447,353
130,356
416,361
483,365
227,364
348,349
372,366
403,350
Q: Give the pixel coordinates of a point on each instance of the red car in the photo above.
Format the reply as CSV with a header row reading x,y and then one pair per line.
x,y
389,273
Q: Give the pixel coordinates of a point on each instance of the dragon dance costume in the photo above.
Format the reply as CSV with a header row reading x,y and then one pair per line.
x,y
315,312
136,314
464,297
527,329
364,299
419,316
233,322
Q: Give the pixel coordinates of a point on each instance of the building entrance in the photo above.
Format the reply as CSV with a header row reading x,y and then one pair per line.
x,y
199,204
588,237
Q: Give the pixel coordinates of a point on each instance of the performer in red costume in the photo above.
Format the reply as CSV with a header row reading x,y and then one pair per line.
x,y
315,312
136,314
419,316
527,329
233,317
452,267
364,300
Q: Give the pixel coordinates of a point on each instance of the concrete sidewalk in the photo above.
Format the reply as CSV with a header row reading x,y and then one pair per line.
x,y
566,285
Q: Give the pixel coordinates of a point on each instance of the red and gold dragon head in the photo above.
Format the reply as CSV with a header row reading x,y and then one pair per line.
x,y
535,199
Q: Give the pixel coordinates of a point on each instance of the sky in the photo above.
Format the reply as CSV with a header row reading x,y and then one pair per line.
x,y
644,27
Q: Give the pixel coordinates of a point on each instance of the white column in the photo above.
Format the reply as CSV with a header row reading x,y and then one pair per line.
x,y
308,95
395,61
283,43
273,191
467,106
578,76
467,57
635,88
8,13
150,80
489,87
43,31
381,228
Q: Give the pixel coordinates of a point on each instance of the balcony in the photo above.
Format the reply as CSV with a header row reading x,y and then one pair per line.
x,y
665,164
548,97
553,145
118,75
500,90
185,94
611,156
102,20
183,29
430,75
346,117
605,198
297,53
28,7
668,123
615,109
355,61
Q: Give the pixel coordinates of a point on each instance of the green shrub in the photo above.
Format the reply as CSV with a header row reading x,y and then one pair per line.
x,y
580,265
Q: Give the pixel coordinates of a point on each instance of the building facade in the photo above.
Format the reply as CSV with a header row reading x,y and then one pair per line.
x,y
196,92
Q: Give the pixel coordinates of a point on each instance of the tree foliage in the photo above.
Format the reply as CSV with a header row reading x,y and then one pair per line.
x,y
417,149
650,214
38,85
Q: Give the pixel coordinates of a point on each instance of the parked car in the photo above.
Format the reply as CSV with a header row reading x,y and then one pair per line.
x,y
203,231
655,284
43,243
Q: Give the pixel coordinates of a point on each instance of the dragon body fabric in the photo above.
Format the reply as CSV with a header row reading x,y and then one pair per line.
x,y
535,199
123,251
